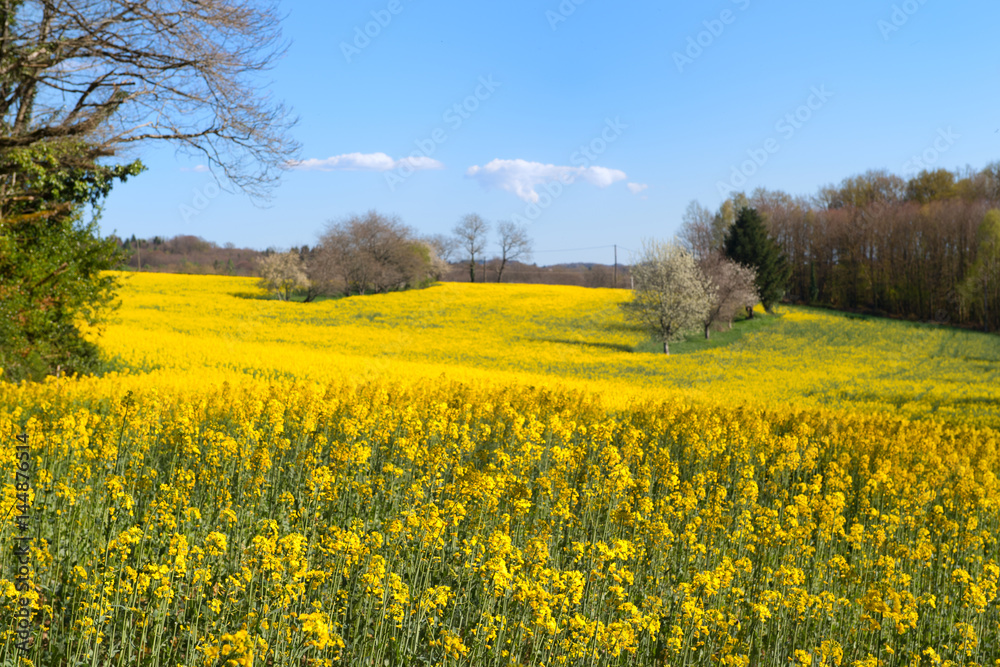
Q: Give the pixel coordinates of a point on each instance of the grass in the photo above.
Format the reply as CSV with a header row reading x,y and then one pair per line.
x,y
301,298
298,297
696,342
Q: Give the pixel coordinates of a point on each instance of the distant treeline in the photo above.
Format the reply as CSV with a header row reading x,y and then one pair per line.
x,y
578,274
188,254
923,248
195,255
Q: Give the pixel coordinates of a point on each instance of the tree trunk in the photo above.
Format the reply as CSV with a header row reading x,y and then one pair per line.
x,y
706,331
666,348
472,271
749,312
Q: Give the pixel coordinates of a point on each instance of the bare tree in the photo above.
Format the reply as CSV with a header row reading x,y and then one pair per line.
x,y
471,233
91,79
282,272
670,296
371,253
730,286
599,275
444,246
702,233
515,245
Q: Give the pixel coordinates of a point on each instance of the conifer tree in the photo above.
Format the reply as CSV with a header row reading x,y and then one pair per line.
x,y
747,242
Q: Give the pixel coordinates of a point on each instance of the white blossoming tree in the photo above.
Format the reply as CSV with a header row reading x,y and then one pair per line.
x,y
671,297
281,273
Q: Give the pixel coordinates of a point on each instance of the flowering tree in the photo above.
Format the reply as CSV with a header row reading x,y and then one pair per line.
x,y
281,273
670,296
731,286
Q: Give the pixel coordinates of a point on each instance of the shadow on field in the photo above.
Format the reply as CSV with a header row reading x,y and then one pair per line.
x,y
583,343
296,298
252,295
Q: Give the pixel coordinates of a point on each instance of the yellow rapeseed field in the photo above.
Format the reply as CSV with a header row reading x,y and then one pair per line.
x,y
536,334
488,475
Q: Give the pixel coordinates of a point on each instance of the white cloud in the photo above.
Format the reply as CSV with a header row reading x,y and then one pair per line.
x,y
364,162
521,177
199,169
636,188
420,163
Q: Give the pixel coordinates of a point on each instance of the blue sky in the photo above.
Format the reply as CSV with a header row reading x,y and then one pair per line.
x,y
594,123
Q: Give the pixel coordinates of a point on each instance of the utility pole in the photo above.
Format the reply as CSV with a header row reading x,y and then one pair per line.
x,y
616,265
